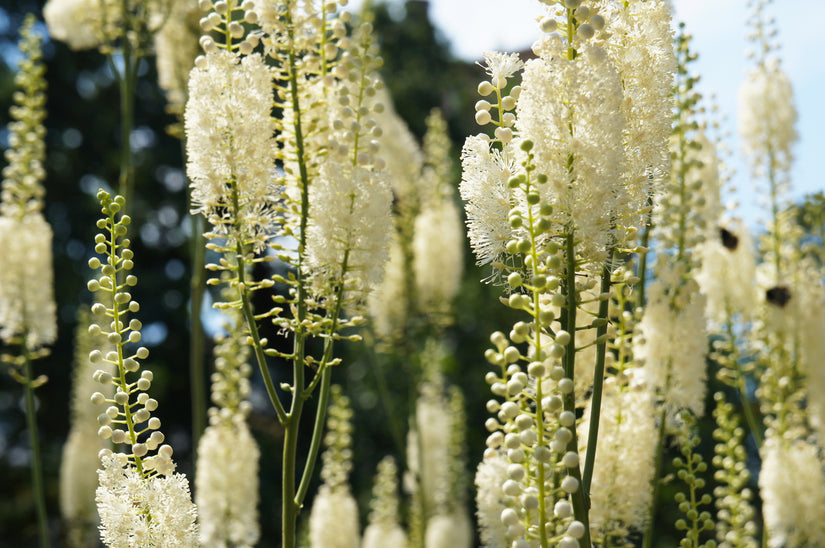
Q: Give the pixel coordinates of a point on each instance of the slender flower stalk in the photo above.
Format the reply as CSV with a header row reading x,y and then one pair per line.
x,y
139,498
383,528
333,521
79,464
227,469
27,307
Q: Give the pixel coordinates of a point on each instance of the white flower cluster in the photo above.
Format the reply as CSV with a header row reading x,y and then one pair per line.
x,y
86,24
384,529
333,520
176,47
673,343
792,488
78,467
231,146
727,274
226,486
624,466
227,469
27,307
135,511
641,44
350,200
572,111
767,118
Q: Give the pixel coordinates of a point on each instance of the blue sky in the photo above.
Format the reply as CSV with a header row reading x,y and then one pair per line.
x,y
718,27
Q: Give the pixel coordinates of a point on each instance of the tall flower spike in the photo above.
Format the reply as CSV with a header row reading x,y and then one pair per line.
x,y
333,521
227,470
437,233
27,308
350,201
176,47
792,488
78,467
640,41
139,499
624,462
231,147
384,529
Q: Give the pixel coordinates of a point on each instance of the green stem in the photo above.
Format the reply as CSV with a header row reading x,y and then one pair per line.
x,y
290,510
325,375
37,463
568,320
317,436
660,445
197,363
642,273
538,329
598,382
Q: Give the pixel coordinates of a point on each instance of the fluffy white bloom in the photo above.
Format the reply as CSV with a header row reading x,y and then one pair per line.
x,y
726,274
27,304
572,111
176,47
144,512
624,466
673,343
792,487
484,176
350,219
79,464
767,116
399,149
230,144
491,500
387,302
379,535
429,455
78,481
641,44
73,22
383,529
333,521
449,531
501,66
437,246
227,486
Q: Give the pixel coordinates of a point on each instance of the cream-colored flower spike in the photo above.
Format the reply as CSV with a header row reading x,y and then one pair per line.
x,y
27,307
140,500
231,146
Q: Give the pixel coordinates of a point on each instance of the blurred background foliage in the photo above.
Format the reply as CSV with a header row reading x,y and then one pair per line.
x,y
82,147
